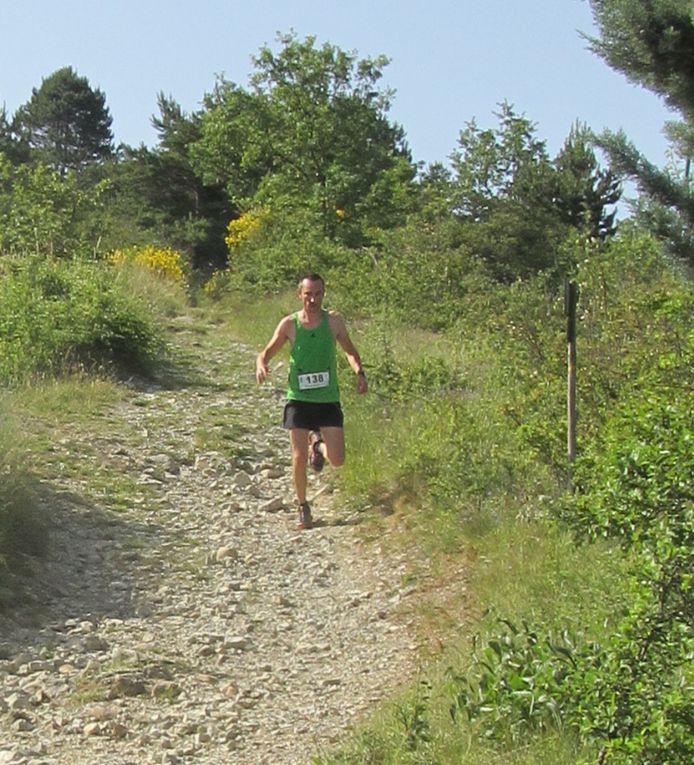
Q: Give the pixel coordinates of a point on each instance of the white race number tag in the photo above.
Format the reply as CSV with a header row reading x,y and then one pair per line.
x,y
314,380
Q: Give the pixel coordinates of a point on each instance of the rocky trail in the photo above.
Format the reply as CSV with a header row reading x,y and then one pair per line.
x,y
180,616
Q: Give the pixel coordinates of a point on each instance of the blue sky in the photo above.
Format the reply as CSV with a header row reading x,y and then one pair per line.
x,y
451,60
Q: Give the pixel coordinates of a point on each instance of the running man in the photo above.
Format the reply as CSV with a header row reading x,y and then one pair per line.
x,y
312,414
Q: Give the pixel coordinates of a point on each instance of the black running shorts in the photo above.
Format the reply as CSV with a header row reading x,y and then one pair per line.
x,y
311,416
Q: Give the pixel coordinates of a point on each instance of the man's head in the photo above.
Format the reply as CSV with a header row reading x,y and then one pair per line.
x,y
311,291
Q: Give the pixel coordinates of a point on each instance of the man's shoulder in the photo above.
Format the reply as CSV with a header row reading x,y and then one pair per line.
x,y
287,323
336,321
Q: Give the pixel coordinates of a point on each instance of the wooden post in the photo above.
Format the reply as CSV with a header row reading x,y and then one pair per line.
x,y
570,301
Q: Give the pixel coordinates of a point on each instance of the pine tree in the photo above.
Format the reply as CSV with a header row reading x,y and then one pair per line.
x,y
66,123
652,43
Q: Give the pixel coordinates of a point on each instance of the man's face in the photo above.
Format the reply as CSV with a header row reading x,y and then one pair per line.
x,y
311,294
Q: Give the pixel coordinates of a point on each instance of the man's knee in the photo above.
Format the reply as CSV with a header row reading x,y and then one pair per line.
x,y
337,461
336,457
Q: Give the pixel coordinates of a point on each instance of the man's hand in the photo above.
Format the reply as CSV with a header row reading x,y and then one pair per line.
x,y
362,384
261,370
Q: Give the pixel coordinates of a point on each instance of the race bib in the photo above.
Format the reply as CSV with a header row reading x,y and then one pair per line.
x,y
314,380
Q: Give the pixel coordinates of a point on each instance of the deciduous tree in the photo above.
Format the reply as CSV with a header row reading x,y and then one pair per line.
x,y
160,190
313,129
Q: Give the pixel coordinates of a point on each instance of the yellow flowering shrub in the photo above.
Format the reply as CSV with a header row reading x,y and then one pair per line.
x,y
164,261
242,229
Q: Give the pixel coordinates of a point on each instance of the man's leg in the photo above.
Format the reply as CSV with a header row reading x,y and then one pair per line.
x,y
299,441
333,446
300,446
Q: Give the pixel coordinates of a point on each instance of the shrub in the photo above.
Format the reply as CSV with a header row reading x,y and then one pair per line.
x,y
244,228
635,485
516,683
46,214
58,315
165,262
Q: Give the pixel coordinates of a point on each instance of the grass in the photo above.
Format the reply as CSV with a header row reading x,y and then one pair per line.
x,y
535,571
488,545
73,399
41,441
482,541
251,320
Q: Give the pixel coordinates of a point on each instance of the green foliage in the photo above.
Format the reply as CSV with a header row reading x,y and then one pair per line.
x,y
475,453
584,190
634,696
57,315
66,123
515,686
312,132
651,44
515,205
9,144
160,191
635,485
270,247
635,313
665,206
44,214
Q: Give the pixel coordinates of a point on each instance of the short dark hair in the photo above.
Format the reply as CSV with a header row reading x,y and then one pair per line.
x,y
312,276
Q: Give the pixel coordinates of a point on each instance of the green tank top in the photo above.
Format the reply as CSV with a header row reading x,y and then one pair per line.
x,y
313,364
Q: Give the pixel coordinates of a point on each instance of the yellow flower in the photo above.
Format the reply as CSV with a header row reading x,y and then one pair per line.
x,y
243,228
164,261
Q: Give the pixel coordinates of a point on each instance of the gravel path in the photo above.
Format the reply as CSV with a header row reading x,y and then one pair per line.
x,y
180,616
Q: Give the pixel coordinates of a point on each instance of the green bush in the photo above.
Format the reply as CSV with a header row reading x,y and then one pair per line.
x,y
46,214
516,683
636,486
59,315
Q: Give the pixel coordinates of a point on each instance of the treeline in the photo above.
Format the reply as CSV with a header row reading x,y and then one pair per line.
x,y
306,159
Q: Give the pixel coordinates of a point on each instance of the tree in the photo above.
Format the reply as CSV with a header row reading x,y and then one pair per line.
x,y
66,123
585,190
313,130
515,205
44,214
502,195
9,145
160,190
651,43
496,166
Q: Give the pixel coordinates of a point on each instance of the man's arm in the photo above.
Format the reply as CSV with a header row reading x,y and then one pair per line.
x,y
339,328
279,338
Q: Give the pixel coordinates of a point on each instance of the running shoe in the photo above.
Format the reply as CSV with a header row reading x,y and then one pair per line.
x,y
315,456
305,517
